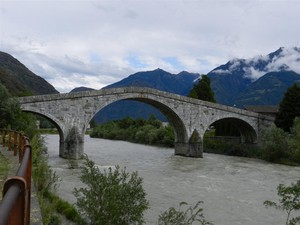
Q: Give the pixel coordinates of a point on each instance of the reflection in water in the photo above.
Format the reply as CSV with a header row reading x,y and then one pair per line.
x,y
233,189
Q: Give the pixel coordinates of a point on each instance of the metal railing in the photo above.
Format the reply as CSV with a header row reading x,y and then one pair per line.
x,y
15,205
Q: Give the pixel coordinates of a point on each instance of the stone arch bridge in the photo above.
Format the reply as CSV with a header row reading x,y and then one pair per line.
x,y
72,112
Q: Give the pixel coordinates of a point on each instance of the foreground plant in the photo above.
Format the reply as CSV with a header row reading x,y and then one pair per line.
x,y
192,215
111,196
289,201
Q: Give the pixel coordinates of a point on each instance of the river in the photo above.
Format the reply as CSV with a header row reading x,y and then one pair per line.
x,y
233,188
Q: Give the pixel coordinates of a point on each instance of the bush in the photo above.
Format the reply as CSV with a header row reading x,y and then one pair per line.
x,y
274,144
187,217
111,197
294,141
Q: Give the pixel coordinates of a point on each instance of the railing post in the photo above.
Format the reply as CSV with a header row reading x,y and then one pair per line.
x,y
9,140
3,137
22,148
21,143
15,142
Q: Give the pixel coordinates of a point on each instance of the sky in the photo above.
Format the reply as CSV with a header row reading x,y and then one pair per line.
x,y
73,43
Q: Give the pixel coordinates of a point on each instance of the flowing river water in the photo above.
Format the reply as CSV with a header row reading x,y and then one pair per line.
x,y
233,188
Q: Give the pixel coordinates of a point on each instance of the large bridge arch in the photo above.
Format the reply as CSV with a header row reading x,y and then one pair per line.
x,y
174,119
51,118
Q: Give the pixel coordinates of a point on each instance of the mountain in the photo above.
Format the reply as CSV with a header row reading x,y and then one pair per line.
x,y
158,79
19,80
238,81
267,90
260,80
79,89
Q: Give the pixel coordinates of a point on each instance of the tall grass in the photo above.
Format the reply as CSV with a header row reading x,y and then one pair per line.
x,y
46,181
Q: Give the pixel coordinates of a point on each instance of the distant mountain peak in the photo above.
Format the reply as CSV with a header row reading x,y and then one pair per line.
x,y
80,89
283,59
161,80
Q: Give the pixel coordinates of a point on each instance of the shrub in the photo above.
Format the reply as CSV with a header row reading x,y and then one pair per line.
x,y
274,144
187,217
111,197
294,141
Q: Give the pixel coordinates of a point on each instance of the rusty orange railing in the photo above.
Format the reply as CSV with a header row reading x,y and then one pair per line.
x,y
15,205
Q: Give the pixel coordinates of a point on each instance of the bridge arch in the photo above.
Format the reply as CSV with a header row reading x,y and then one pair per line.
x,y
174,119
231,126
49,117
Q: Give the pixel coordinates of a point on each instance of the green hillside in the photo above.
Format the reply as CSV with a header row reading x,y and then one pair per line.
x,y
19,80
267,90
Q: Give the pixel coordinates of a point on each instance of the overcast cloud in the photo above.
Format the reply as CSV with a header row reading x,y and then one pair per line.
x,y
74,43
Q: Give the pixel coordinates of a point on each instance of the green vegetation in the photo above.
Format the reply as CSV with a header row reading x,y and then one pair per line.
x,y
187,217
276,145
202,90
289,108
151,131
289,201
111,197
227,147
19,80
45,180
282,147
11,115
4,167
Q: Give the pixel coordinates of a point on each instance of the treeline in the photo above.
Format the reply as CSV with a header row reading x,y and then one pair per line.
x,y
150,132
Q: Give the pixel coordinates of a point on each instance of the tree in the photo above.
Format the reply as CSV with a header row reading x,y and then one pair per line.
x,y
202,90
9,109
187,217
274,144
289,201
294,141
111,197
289,108
11,115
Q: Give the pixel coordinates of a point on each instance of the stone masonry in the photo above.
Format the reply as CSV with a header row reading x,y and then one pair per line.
x,y
190,118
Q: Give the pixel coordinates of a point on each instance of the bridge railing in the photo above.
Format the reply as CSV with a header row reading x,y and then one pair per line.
x,y
15,204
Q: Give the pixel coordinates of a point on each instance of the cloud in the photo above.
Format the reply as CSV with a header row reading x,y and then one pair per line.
x,y
288,58
220,71
253,74
105,41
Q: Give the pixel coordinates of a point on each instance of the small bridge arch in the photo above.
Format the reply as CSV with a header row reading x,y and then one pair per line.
x,y
235,127
190,118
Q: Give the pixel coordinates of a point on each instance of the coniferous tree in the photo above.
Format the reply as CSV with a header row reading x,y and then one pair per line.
x,y
289,108
202,90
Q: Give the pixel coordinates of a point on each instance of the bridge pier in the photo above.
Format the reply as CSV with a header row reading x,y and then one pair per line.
x,y
190,150
194,148
71,147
